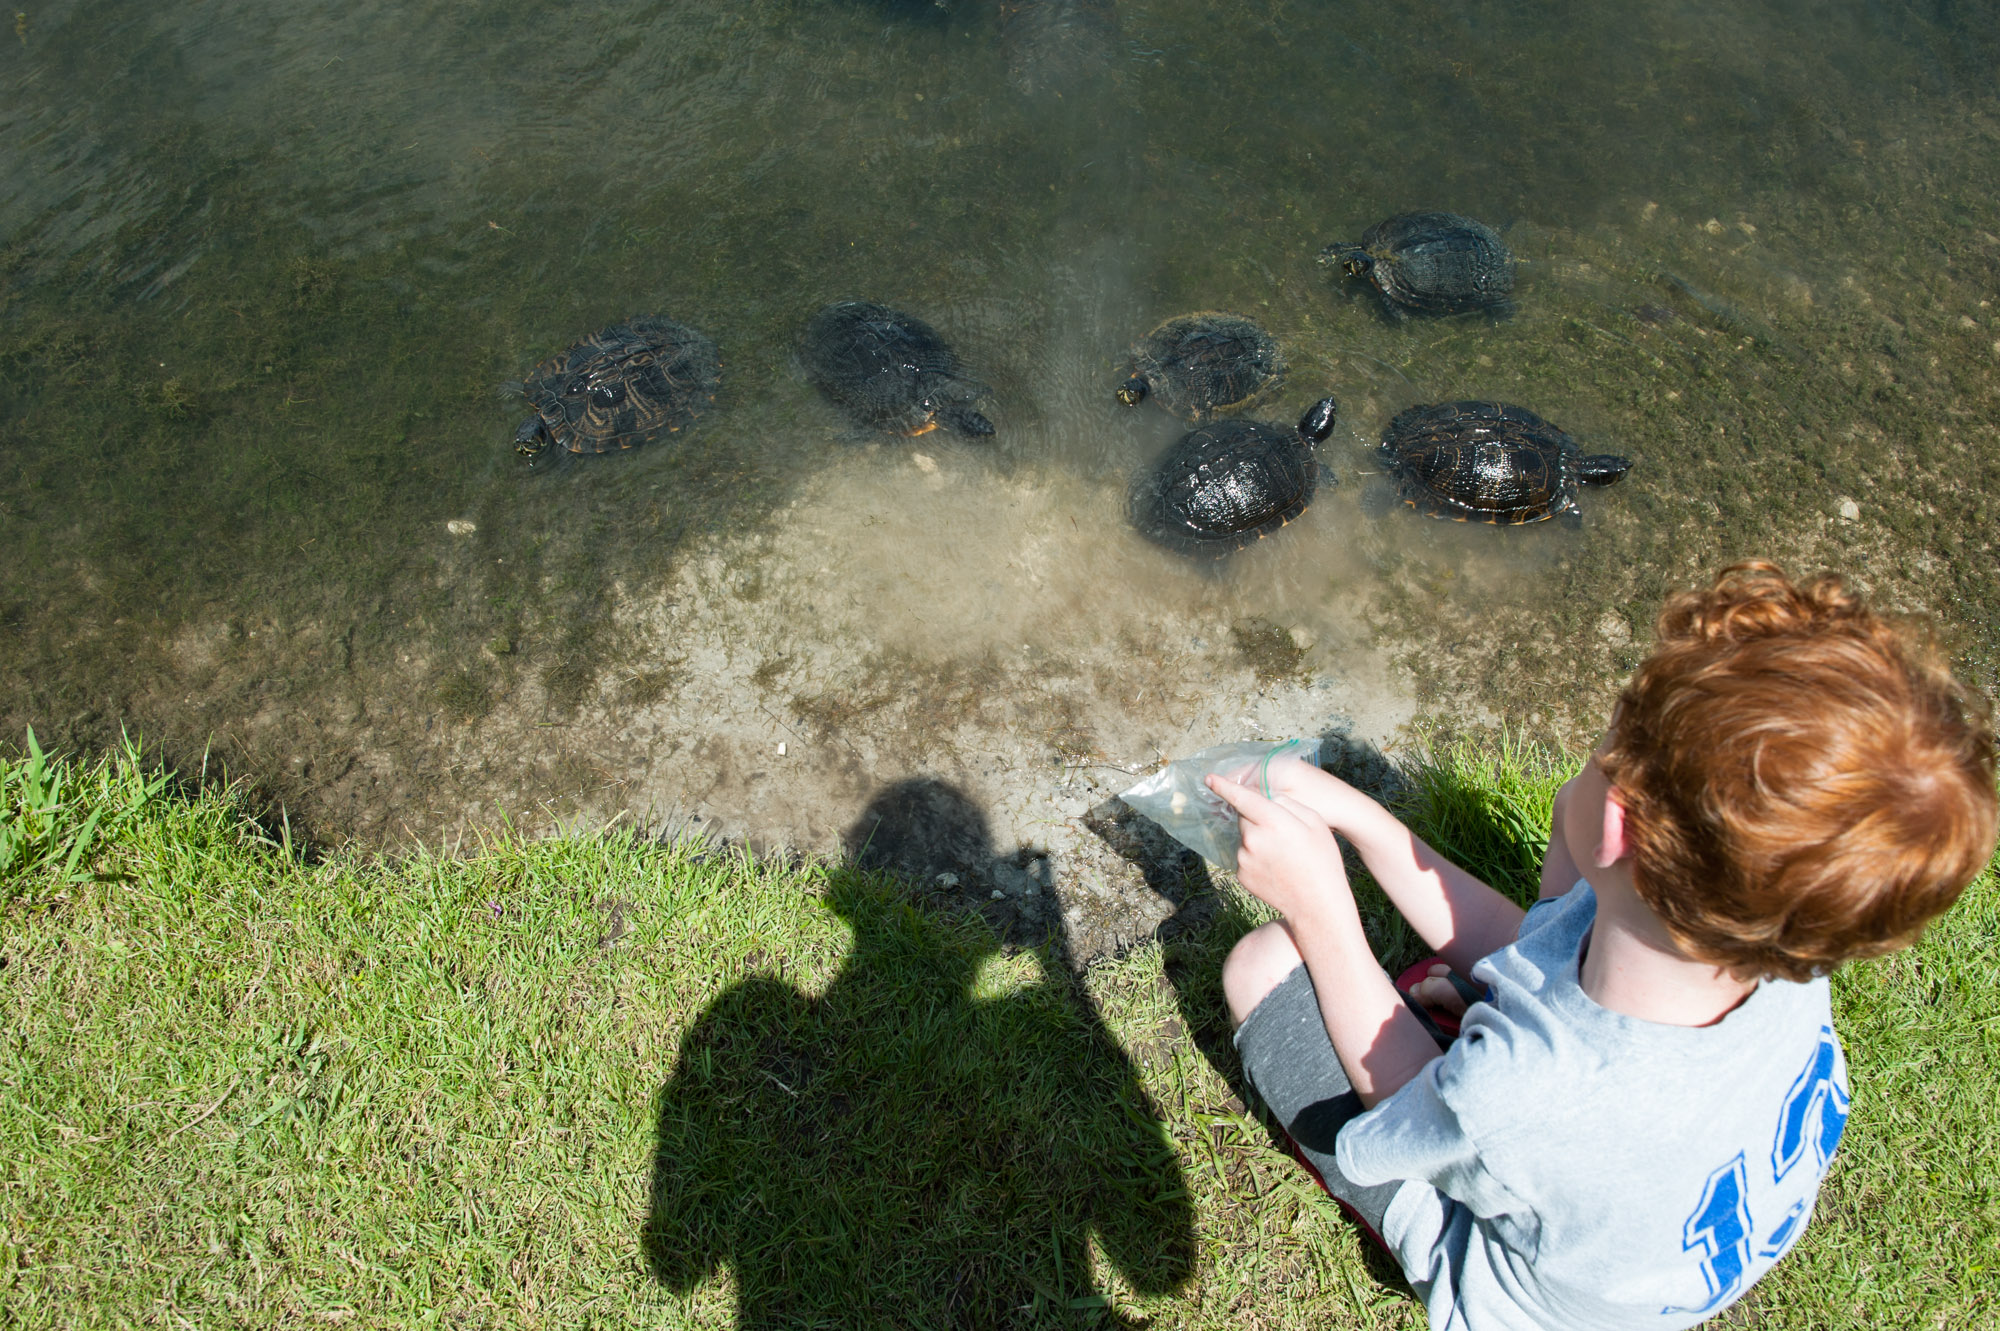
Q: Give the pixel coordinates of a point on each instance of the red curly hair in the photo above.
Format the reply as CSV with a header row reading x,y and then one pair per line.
x,y
1803,781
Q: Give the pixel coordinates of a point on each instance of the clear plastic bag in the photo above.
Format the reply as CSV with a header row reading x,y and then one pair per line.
x,y
1177,796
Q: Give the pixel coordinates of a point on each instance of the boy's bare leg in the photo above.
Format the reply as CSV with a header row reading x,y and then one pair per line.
x,y
1290,1064
1293,864
1257,964
1262,959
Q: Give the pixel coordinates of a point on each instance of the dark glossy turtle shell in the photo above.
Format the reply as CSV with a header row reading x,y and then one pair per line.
x,y
625,385
1489,462
1433,263
889,371
1224,485
1201,364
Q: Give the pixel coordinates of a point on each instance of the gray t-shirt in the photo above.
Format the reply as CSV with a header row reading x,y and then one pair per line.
x,y
1571,1167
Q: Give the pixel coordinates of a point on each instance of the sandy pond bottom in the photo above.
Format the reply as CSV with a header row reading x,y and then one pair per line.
x,y
925,661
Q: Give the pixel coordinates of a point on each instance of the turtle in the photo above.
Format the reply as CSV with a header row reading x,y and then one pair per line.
x,y
1199,365
1490,462
620,387
890,371
1230,482
1433,263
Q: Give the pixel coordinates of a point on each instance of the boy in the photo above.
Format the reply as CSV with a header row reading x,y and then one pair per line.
x,y
1632,1126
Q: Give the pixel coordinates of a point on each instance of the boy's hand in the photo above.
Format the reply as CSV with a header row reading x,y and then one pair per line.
x,y
1325,796
1289,858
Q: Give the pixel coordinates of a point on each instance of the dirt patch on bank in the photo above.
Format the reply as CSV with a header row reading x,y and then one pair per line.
x,y
918,620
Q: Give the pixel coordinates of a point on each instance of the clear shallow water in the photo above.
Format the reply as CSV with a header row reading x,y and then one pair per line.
x,y
266,270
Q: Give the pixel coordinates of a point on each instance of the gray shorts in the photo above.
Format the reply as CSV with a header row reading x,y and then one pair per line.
x,y
1289,1061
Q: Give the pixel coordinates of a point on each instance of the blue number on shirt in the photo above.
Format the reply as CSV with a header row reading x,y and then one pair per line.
x,y
1781,1238
1814,1112
1720,1230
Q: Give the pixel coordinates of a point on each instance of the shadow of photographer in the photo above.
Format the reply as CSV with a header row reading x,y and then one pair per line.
x,y
902,1149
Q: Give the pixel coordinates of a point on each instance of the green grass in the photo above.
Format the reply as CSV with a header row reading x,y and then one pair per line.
x,y
601,1081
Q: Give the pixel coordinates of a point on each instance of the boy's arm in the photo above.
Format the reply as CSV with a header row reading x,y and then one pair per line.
x,y
1457,915
1559,867
1290,860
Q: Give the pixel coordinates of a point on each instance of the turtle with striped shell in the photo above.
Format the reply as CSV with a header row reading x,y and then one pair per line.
x,y
1431,263
621,387
1490,462
1201,365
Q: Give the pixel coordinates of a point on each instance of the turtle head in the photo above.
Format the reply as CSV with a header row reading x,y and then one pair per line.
x,y
1602,468
947,400
966,421
532,437
1352,259
1318,421
1133,391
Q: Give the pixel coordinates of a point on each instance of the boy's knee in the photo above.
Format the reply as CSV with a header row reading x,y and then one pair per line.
x,y
1259,961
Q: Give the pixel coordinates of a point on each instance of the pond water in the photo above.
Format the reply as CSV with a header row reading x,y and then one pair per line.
x,y
267,272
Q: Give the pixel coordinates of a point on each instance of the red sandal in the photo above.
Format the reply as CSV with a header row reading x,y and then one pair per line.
x,y
1418,972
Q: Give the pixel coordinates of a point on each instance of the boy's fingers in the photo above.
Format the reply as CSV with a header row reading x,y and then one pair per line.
x,y
1238,797
1241,775
1249,803
1298,810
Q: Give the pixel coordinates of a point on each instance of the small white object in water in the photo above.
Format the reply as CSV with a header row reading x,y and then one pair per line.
x,y
925,463
1850,511
461,526
781,748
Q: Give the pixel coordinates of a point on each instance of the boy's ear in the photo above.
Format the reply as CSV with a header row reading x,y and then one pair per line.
x,y
1611,846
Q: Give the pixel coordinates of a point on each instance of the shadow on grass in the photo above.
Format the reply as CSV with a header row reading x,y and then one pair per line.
x,y
901,1149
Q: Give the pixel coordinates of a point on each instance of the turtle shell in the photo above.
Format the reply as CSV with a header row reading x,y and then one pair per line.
x,y
1434,263
1198,365
1225,485
1488,462
625,385
890,371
